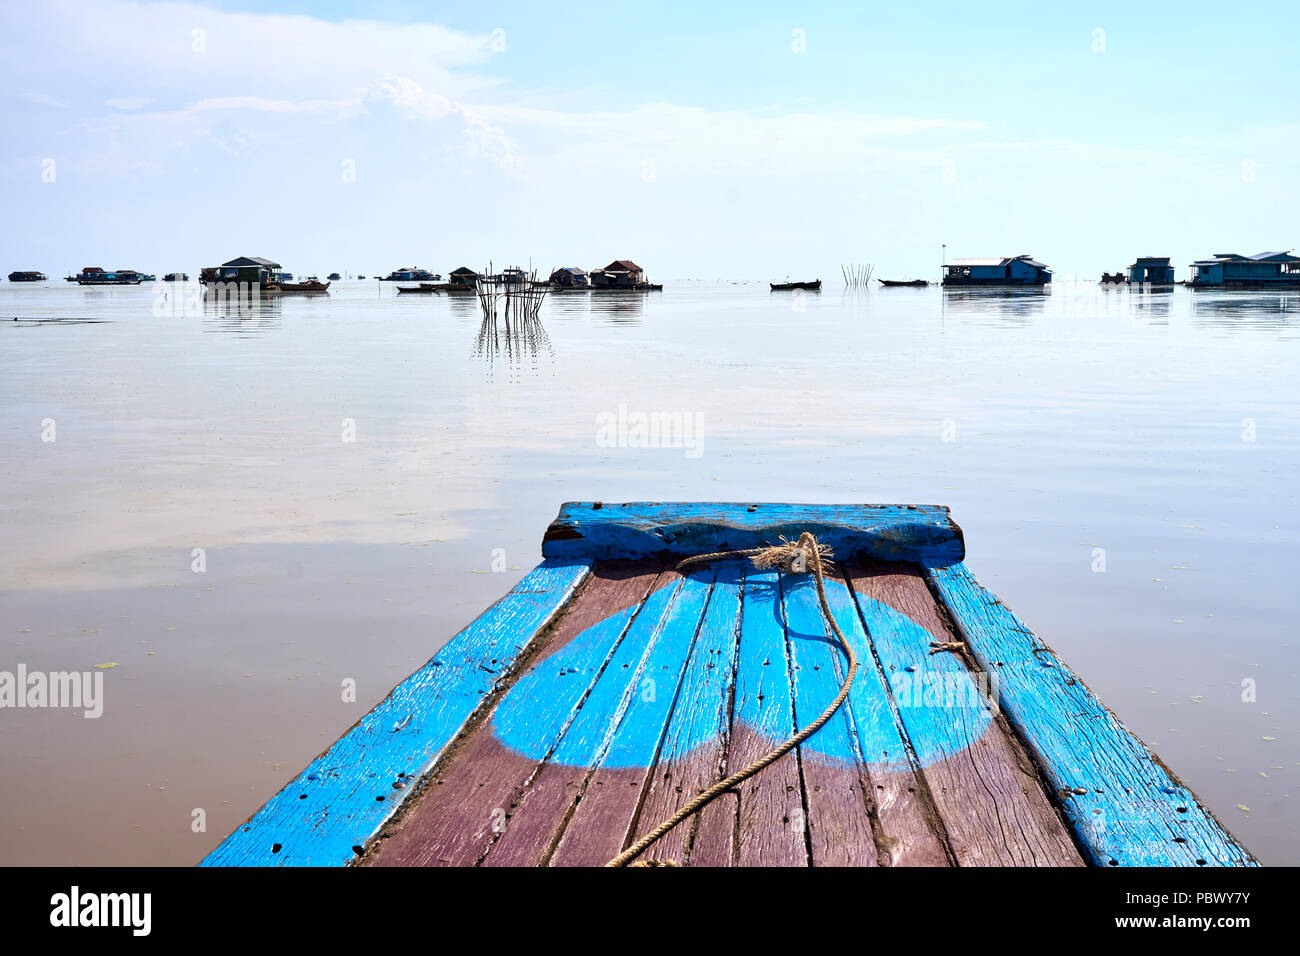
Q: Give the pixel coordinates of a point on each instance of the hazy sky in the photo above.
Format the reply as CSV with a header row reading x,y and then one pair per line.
x,y
755,142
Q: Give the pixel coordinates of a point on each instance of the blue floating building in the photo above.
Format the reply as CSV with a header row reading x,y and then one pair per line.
x,y
1152,270
1016,270
1230,270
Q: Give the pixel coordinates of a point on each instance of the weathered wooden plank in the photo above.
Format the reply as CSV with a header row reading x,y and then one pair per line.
x,y
466,804
340,800
908,829
636,529
606,811
691,758
989,797
1131,812
547,800
766,826
839,826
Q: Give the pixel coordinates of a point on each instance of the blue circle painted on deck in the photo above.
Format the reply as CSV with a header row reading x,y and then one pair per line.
x,y
583,705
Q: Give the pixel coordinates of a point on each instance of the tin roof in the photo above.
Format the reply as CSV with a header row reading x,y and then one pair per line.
x,y
250,261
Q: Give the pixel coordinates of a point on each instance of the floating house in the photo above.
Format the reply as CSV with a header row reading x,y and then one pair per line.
x,y
1017,270
619,274
413,274
569,277
27,277
245,269
463,276
1152,270
1230,270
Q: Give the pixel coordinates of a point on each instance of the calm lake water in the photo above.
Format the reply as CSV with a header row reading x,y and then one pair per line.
x,y
1123,464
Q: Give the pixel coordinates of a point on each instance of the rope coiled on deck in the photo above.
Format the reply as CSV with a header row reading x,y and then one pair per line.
x,y
799,556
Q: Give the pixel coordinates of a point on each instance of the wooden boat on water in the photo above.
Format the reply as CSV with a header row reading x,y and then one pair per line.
x,y
790,286
310,285
899,283
428,287
608,687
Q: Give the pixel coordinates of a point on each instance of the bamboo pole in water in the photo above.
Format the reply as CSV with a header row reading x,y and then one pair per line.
x,y
857,276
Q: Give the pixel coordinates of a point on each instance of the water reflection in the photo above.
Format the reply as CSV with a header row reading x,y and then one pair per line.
x,y
1005,305
514,341
462,305
618,308
242,314
1240,309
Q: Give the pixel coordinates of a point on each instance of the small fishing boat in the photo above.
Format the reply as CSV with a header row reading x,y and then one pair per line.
x,y
899,283
312,284
333,276
658,643
27,277
423,287
815,286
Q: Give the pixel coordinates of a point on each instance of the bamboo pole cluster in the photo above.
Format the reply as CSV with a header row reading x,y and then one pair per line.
x,y
511,303
857,276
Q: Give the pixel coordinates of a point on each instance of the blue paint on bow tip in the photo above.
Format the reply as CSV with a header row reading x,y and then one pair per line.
x,y
941,705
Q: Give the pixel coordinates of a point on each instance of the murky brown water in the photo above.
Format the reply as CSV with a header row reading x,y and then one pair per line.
x,y
1162,429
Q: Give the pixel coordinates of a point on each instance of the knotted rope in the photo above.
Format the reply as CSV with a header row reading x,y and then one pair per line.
x,y
796,557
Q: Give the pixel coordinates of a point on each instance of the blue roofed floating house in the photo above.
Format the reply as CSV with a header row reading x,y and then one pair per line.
x,y
1014,270
569,277
1152,270
1231,270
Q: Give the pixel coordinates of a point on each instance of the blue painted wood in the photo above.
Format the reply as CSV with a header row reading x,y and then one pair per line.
x,y
1131,812
690,758
345,794
907,835
769,823
839,825
991,802
644,529
607,811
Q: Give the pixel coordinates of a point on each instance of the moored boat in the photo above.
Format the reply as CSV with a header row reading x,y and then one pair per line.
x,y
898,283
814,286
312,284
613,682
333,276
